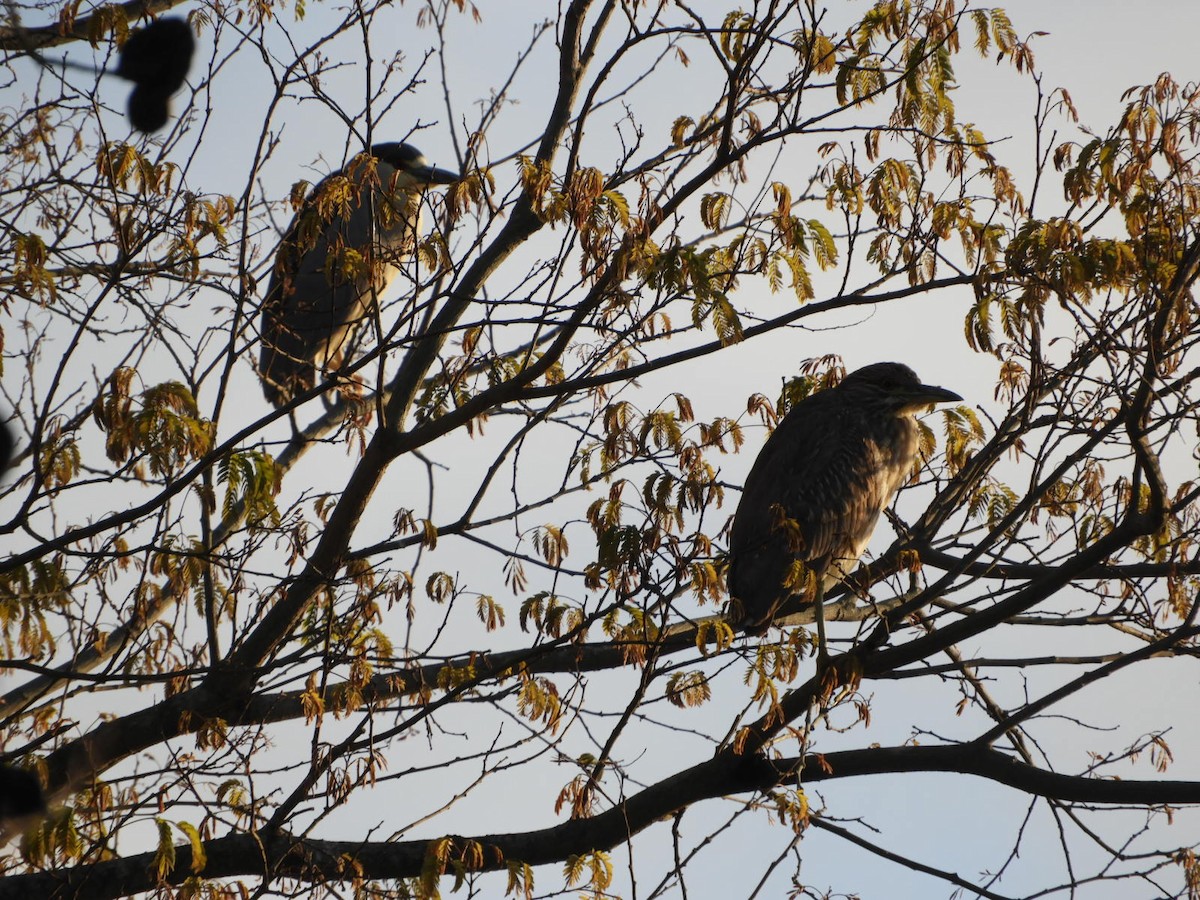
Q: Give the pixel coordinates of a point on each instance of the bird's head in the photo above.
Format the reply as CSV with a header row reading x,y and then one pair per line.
x,y
407,165
896,387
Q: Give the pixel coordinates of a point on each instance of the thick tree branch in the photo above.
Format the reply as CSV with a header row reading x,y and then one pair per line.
x,y
39,38
283,855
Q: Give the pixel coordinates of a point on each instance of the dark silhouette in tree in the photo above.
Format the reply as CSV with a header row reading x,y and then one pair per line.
x,y
20,793
156,58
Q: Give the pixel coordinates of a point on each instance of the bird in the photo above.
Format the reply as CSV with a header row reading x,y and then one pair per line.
x,y
156,59
818,487
20,794
327,277
8,446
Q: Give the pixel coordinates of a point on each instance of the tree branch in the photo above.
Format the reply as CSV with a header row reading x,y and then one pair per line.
x,y
284,855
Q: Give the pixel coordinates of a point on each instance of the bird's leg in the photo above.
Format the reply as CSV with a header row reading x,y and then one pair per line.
x,y
297,433
819,616
829,675
846,672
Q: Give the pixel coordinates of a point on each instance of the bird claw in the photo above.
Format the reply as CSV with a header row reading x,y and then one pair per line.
x,y
844,672
826,676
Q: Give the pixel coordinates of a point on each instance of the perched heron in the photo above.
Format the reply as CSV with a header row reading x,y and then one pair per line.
x,y
331,267
156,59
817,489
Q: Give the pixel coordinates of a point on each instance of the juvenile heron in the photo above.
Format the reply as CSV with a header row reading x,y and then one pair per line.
x,y
817,489
333,263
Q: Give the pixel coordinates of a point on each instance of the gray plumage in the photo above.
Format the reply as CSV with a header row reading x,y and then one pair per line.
x,y
819,485
328,274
